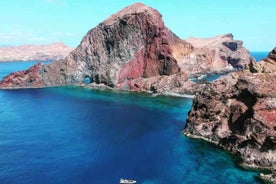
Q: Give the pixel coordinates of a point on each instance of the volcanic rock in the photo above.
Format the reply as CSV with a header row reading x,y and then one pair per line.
x,y
133,50
218,54
54,51
238,113
133,43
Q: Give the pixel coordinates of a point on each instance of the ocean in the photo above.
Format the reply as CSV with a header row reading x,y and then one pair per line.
x,y
83,136
259,55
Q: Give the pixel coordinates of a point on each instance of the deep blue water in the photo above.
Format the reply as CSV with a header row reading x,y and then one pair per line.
x,y
75,135
259,55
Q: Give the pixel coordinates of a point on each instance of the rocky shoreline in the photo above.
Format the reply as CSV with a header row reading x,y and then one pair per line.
x,y
134,51
238,113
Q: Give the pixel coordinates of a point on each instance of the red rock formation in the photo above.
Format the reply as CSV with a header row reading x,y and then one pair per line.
x,y
238,113
133,45
25,78
53,51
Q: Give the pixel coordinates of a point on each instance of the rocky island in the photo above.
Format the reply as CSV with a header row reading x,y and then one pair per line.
x,y
134,51
54,51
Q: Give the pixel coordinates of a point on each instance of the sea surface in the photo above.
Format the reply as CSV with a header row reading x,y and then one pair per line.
x,y
259,55
81,136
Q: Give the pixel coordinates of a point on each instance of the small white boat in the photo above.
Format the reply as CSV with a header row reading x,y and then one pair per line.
x,y
124,181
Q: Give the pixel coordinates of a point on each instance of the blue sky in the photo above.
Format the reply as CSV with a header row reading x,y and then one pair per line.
x,y
46,21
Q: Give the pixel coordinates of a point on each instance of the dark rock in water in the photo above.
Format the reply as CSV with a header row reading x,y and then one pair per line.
x,y
133,50
238,113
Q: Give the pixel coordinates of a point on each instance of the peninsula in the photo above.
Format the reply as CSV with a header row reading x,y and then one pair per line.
x,y
54,51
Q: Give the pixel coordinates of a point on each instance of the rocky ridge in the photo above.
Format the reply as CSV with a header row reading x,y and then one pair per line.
x,y
220,53
238,113
133,50
54,51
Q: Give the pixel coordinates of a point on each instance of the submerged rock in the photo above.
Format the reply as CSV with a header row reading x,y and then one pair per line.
x,y
133,50
238,113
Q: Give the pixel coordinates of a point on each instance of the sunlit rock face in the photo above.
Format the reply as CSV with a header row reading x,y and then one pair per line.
x,y
133,50
130,44
217,54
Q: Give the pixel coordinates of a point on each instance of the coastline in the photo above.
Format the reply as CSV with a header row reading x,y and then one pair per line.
x,y
267,175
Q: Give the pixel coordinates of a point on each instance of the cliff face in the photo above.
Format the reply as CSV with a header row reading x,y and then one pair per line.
x,y
217,54
238,113
133,43
53,51
133,50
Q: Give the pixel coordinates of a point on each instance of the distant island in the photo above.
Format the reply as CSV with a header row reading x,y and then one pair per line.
x,y
54,51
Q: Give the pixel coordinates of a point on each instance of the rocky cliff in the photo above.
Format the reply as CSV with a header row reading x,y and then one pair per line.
x,y
53,51
133,50
238,113
218,54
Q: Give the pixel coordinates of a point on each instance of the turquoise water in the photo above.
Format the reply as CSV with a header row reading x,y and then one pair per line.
x,y
75,135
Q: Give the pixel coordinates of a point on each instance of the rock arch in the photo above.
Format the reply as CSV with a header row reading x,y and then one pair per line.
x,y
87,80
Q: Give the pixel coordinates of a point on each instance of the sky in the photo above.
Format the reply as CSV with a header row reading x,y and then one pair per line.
x,y
67,21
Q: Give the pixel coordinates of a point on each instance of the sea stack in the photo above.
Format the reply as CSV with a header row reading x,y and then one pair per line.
x,y
133,50
238,113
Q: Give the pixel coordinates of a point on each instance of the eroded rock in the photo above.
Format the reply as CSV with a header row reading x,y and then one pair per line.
x,y
238,113
133,50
